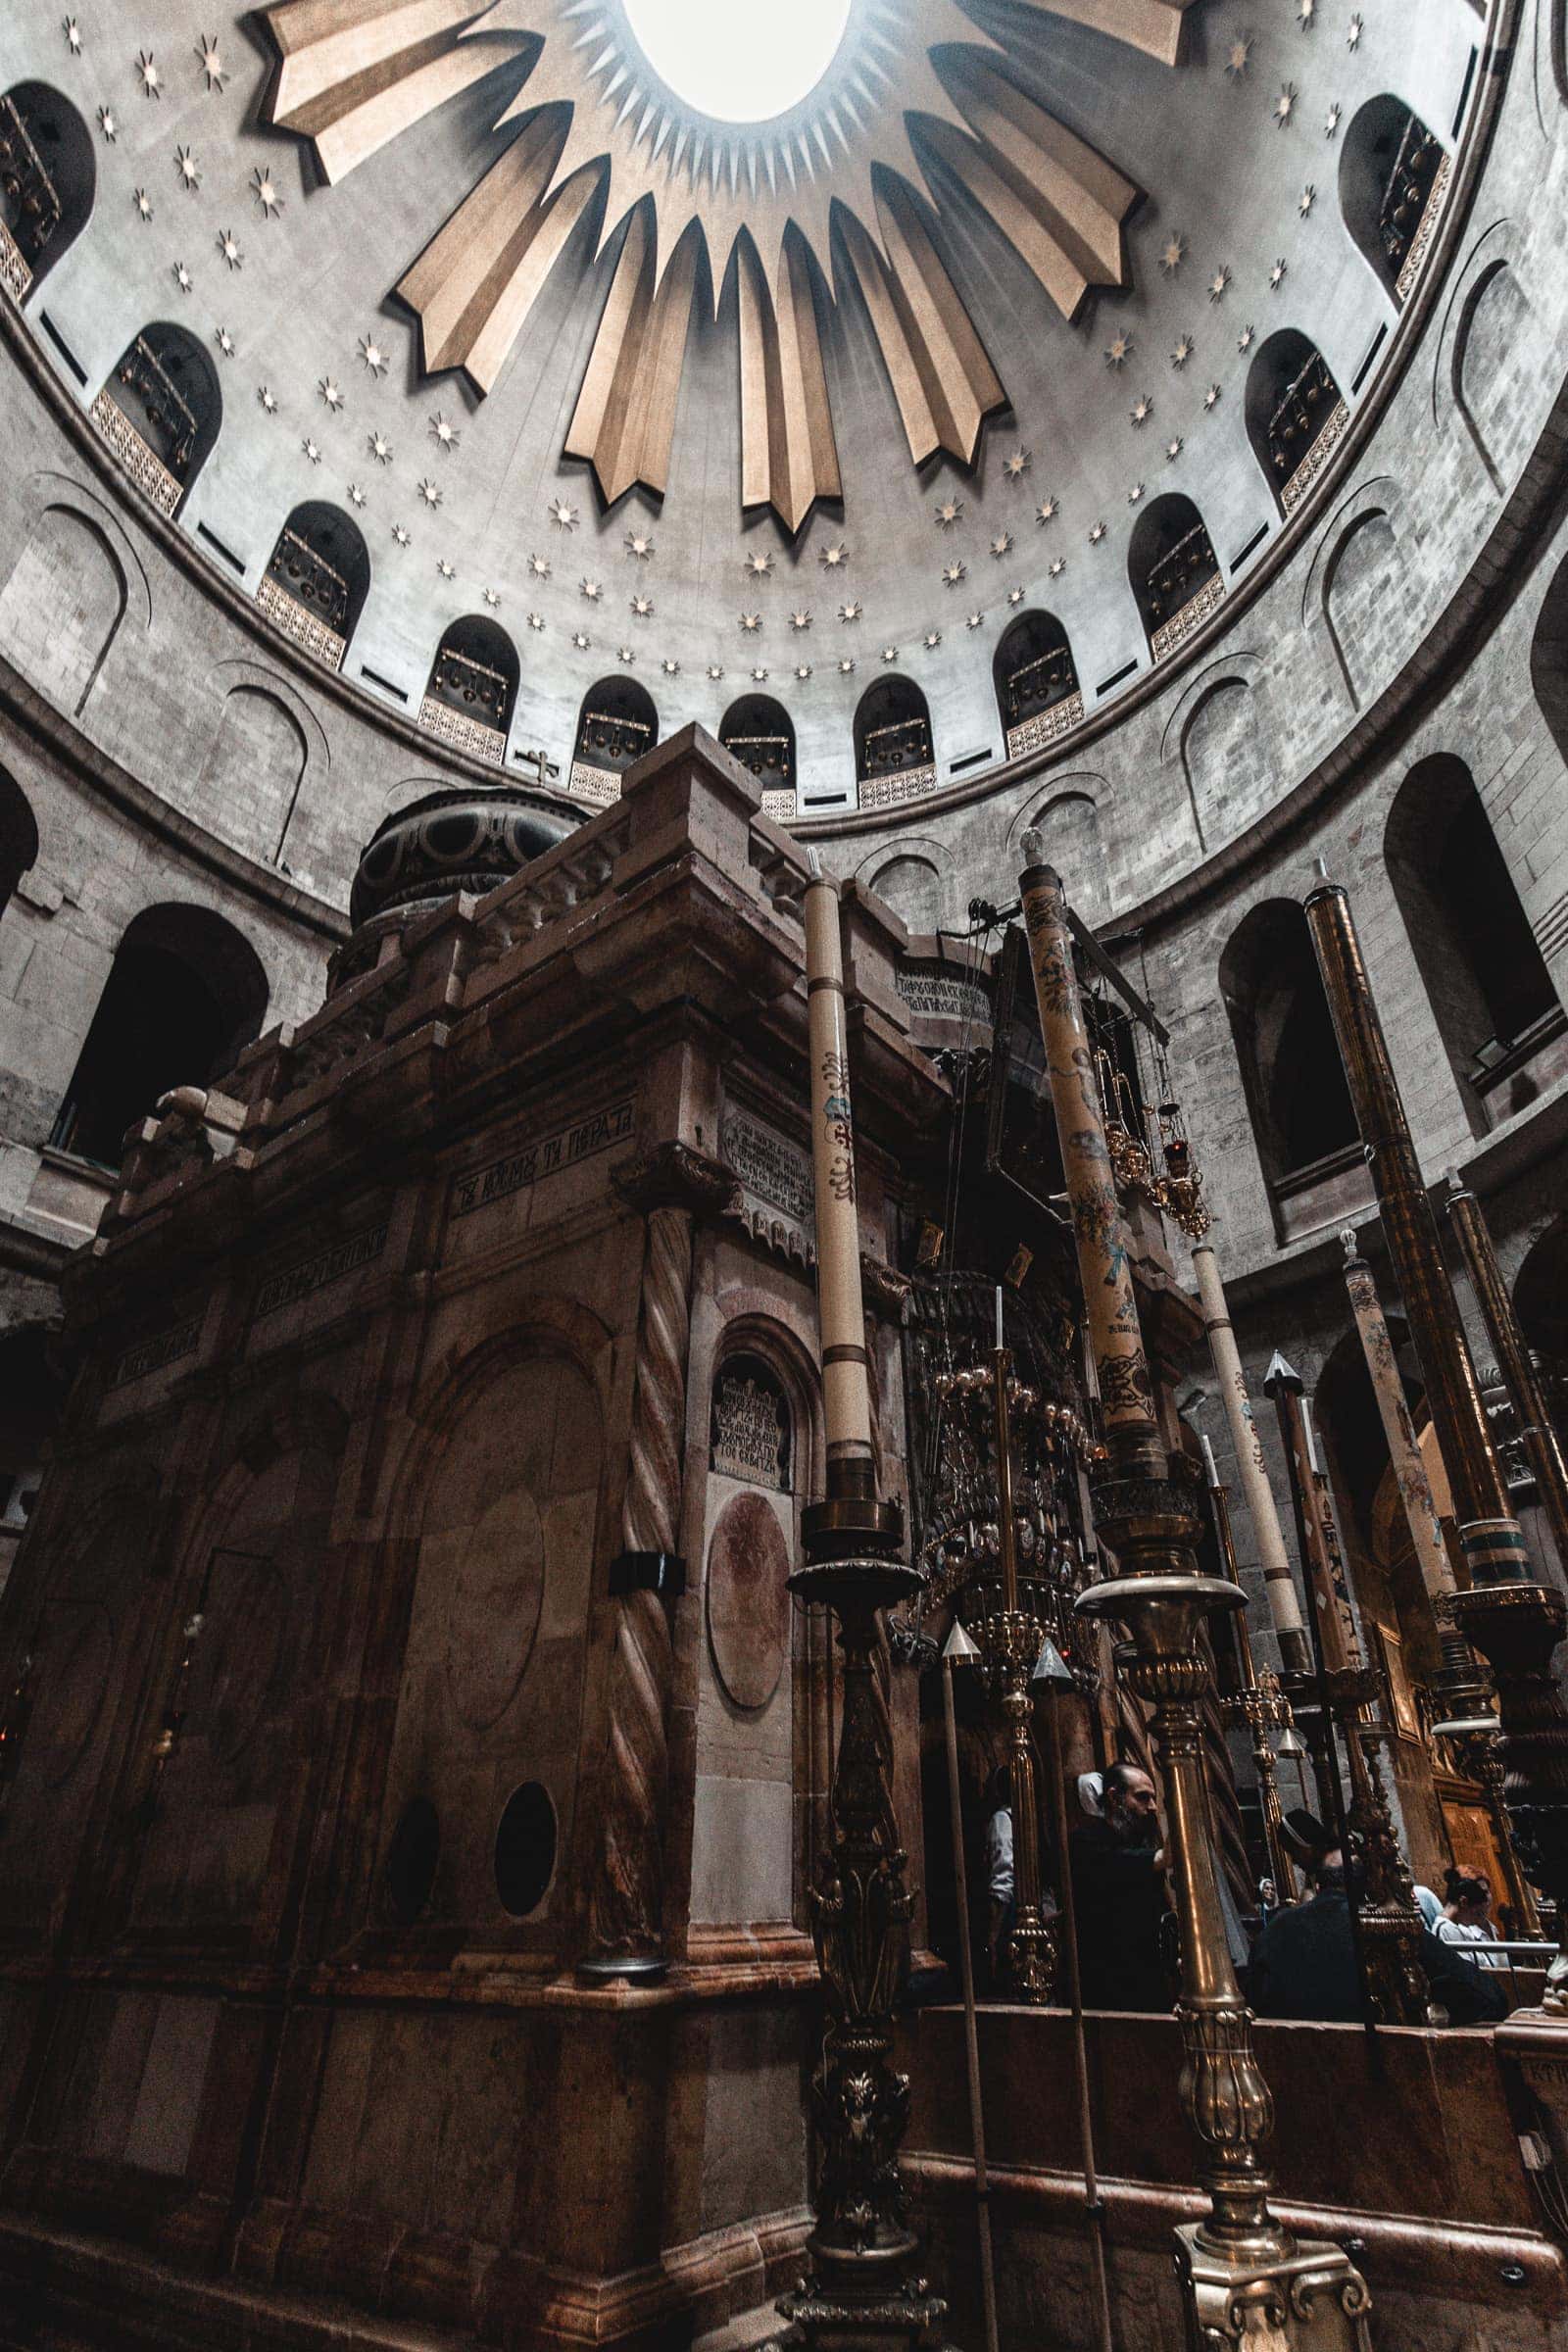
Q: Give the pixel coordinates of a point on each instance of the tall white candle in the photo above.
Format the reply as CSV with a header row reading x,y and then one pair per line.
x,y
845,1396
1001,1342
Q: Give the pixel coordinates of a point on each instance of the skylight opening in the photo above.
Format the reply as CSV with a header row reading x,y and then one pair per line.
x,y
738,61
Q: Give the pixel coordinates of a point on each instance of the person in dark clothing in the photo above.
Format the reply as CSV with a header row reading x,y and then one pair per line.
x,y
1118,1885
1303,1965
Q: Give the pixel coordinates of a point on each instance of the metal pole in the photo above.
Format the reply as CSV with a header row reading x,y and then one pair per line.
x,y
1094,2207
971,2033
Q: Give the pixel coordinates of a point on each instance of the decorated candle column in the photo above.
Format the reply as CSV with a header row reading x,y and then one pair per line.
x,y
1279,1584
846,1396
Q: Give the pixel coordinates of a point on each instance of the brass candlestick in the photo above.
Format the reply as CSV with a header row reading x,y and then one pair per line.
x,y
1513,1620
1245,2276
862,2293
1386,1923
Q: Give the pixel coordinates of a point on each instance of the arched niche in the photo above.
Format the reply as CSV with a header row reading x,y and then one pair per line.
x,y
616,724
1487,982
1393,175
1036,682
185,991
893,755
47,177
912,887
1540,1298
473,688
759,732
1175,574
19,836
317,579
1304,1126
1295,413
61,609
161,411
254,763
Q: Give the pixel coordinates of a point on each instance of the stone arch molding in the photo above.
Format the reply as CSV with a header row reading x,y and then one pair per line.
x,y
76,582
1488,331
1351,557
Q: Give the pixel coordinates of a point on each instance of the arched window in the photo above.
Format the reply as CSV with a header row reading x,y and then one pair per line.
x,y
892,759
616,724
19,837
184,992
47,177
1394,176
1036,683
1302,1122
757,732
1175,576
315,585
1489,991
1295,413
473,689
160,411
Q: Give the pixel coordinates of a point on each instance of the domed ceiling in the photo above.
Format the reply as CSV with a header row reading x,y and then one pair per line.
x,y
748,400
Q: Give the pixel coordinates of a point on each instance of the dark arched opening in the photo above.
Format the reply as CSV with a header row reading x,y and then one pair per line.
x,y
1393,175
1489,991
616,724
1294,414
759,733
47,177
1175,574
161,411
19,837
473,689
892,759
185,992
1302,1123
315,585
1036,683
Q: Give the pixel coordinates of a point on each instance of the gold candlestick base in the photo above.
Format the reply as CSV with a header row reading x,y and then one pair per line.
x,y
1247,2281
1312,2299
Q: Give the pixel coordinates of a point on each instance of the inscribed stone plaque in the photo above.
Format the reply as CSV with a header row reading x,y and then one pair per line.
x,y
748,1599
776,1176
749,1429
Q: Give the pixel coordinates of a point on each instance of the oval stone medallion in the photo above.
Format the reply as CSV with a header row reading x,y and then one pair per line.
x,y
747,1601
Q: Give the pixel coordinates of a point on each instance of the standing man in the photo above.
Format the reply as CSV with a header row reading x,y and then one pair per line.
x,y
1119,1883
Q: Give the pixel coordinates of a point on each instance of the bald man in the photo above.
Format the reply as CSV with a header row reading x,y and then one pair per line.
x,y
1118,1885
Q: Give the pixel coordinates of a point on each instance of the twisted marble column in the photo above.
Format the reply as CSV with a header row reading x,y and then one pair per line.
x,y
629,1900
627,1907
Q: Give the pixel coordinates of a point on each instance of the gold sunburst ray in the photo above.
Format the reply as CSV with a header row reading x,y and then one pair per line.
x,y
592,136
